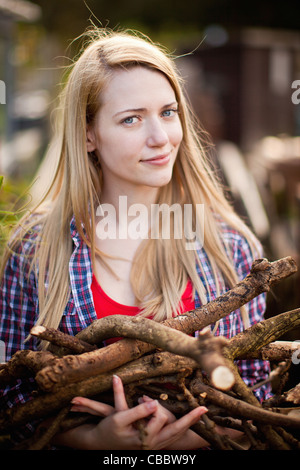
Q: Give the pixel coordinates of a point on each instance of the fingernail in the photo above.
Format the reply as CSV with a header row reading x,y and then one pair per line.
x,y
75,402
146,398
151,405
116,378
204,409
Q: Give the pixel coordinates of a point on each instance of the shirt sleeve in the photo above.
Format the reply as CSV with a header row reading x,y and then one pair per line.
x,y
255,370
18,302
18,313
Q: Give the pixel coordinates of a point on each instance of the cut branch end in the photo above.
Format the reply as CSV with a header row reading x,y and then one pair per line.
x,y
222,378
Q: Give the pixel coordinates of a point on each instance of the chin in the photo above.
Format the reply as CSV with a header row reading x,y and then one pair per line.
x,y
161,180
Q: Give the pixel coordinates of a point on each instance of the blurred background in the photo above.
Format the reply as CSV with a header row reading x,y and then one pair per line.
x,y
241,65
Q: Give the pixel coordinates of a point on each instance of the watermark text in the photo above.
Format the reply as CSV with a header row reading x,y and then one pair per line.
x,y
2,92
296,93
161,221
296,353
2,352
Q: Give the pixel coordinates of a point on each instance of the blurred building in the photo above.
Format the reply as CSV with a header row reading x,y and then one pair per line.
x,y
12,12
246,80
240,84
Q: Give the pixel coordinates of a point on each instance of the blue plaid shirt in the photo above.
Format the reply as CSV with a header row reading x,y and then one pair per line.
x,y
19,305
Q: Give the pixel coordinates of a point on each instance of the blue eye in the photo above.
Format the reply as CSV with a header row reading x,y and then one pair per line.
x,y
170,112
130,120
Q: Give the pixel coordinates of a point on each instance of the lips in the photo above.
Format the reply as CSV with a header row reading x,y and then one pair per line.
x,y
158,160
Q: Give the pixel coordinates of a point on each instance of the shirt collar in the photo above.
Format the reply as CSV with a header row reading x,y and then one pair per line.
x,y
73,230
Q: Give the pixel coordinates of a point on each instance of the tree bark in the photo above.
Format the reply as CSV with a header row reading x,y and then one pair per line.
x,y
24,363
189,354
249,342
73,344
276,351
293,395
262,276
242,409
157,364
206,350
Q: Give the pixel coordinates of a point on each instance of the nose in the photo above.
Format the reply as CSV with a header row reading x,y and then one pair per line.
x,y
157,134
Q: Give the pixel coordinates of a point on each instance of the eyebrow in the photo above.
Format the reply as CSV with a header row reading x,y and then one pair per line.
x,y
141,110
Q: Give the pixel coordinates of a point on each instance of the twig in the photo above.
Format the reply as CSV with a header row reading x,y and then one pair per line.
x,y
45,432
206,350
62,340
24,363
273,374
162,363
243,409
250,342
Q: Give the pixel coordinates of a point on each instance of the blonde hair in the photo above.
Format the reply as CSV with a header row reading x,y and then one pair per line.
x,y
161,268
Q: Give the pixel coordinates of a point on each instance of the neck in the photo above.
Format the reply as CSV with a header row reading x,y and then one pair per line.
x,y
123,200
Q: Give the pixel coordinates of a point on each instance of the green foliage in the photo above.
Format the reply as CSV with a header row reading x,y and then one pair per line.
x,y
13,203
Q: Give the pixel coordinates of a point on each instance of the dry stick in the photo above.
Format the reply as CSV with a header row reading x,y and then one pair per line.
x,y
272,436
262,276
246,394
58,338
24,363
206,350
293,395
289,438
278,351
162,363
251,434
45,432
83,388
209,433
273,374
55,401
250,342
242,409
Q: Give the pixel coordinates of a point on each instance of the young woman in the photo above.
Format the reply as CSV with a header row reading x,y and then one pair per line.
x,y
126,135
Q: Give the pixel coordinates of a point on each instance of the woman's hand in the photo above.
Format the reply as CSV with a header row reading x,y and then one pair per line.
x,y
118,431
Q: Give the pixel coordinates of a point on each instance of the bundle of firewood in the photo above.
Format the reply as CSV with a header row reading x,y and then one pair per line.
x,y
167,362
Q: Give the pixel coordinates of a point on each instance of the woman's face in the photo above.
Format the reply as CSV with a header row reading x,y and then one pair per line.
x,y
137,131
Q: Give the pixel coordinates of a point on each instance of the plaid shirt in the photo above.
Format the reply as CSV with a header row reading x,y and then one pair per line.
x,y
19,306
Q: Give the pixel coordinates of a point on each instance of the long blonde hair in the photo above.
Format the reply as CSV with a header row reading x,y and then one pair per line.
x,y
161,267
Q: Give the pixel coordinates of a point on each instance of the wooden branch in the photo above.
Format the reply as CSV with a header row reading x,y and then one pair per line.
x,y
44,433
248,397
280,369
242,409
162,363
211,434
262,276
24,363
207,353
248,343
206,350
73,344
277,351
293,395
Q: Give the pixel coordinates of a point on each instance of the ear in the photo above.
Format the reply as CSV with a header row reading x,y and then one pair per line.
x,y
90,139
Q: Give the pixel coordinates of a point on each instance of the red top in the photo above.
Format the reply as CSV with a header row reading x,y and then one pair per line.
x,y
106,306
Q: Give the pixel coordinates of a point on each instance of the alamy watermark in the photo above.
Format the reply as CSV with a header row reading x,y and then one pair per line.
x,y
296,94
2,92
137,221
296,353
2,352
